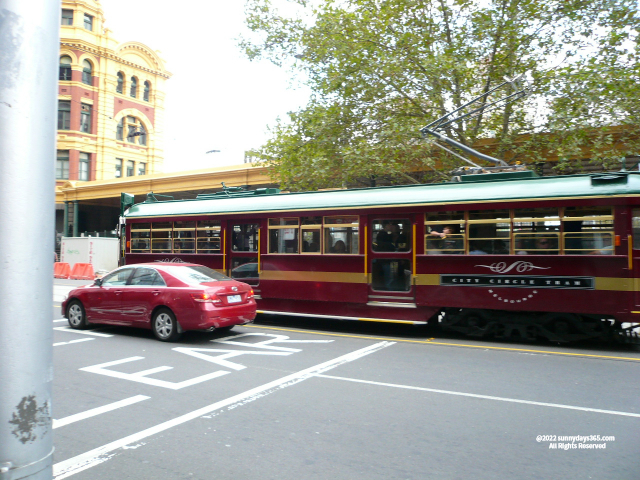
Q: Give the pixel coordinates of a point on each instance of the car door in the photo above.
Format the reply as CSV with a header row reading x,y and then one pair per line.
x,y
106,302
145,288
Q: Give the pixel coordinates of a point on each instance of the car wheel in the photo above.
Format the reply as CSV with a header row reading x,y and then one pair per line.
x,y
76,315
165,325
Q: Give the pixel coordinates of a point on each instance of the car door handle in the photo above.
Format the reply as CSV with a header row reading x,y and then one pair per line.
x,y
117,292
156,292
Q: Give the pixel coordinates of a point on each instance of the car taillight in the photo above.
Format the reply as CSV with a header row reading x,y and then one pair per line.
x,y
250,295
205,297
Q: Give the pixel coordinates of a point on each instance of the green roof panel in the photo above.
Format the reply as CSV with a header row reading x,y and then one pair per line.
x,y
537,188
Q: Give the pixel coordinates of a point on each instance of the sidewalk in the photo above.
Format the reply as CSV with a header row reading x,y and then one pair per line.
x,y
62,287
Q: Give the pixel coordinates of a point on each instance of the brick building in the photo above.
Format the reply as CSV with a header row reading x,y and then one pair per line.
x,y
110,104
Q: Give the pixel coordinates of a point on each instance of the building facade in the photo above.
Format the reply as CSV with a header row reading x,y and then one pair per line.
x,y
110,108
110,100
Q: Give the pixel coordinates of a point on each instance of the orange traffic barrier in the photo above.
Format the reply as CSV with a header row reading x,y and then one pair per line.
x,y
61,270
82,271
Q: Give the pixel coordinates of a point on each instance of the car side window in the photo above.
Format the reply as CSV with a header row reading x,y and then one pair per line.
x,y
117,278
148,277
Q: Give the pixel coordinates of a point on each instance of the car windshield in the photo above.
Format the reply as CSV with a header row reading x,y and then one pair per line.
x,y
195,275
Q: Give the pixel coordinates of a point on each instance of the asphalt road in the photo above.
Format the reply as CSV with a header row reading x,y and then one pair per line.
x,y
289,398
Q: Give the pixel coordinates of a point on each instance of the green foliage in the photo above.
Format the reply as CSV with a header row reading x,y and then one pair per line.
x,y
382,69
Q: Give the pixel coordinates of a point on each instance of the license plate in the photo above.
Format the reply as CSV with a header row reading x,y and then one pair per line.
x,y
234,298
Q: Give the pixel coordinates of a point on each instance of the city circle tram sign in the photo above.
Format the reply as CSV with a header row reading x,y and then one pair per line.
x,y
517,281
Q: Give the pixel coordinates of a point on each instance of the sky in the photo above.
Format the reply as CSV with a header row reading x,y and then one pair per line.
x,y
216,99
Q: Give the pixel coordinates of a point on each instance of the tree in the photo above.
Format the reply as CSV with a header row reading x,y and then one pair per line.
x,y
381,69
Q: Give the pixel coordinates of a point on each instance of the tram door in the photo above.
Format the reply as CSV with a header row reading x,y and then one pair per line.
x,y
390,252
635,253
242,251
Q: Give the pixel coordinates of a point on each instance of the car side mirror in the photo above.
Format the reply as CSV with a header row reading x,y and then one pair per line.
x,y
98,282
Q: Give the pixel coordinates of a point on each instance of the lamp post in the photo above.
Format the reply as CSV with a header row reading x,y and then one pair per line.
x,y
29,49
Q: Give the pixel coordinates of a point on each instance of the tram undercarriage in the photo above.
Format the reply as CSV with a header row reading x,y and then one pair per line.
x,y
531,326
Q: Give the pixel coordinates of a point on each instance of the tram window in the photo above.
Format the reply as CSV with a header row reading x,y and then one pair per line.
x,y
245,237
283,235
635,219
391,235
311,234
445,233
311,240
184,233
341,235
391,275
161,237
588,230
140,237
536,231
489,232
208,236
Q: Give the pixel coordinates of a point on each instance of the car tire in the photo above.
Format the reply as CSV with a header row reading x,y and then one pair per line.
x,y
165,326
76,315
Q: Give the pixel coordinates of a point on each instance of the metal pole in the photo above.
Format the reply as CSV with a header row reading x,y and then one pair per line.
x,y
29,46
75,217
65,227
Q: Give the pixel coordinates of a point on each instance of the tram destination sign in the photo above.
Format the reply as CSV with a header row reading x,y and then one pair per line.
x,y
518,281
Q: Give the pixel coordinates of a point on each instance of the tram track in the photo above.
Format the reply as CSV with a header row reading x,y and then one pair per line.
x,y
435,341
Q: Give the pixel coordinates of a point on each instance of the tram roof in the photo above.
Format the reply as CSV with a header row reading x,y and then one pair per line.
x,y
482,191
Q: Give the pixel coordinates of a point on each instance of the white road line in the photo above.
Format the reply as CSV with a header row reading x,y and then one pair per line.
x,y
486,397
60,320
73,341
83,332
98,455
99,410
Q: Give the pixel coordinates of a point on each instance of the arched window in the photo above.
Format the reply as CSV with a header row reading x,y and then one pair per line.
x,y
147,90
134,87
132,130
120,130
86,72
65,68
142,138
120,86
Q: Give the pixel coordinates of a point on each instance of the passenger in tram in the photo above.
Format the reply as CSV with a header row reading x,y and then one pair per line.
x,y
385,239
520,250
605,249
448,241
544,246
339,247
479,248
400,239
500,248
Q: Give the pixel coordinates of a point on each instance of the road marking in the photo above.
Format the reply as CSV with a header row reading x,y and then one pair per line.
x,y
60,320
83,332
485,397
207,354
101,454
73,341
445,344
141,377
99,410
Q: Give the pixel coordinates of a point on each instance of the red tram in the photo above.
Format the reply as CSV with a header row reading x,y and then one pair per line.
x,y
502,254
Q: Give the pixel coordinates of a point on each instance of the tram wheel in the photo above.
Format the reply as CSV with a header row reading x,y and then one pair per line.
x,y
558,326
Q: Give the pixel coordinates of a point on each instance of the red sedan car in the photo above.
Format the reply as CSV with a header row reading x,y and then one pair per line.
x,y
168,298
